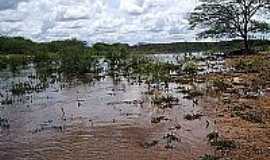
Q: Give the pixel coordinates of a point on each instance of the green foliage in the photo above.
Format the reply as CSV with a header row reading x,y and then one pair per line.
x,y
76,60
179,47
20,88
13,62
109,50
59,46
189,47
2,64
164,101
115,53
154,71
19,45
158,100
230,18
190,67
44,57
16,45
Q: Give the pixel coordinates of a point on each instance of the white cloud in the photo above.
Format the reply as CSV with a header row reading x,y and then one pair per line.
x,y
130,21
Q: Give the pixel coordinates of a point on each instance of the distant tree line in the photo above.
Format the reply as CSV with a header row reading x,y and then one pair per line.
x,y
20,45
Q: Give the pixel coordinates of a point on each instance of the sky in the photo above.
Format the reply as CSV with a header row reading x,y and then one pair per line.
x,y
128,21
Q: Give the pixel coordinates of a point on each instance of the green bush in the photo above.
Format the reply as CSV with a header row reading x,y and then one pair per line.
x,y
190,67
76,60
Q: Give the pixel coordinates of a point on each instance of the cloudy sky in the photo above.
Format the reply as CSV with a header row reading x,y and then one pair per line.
x,y
129,21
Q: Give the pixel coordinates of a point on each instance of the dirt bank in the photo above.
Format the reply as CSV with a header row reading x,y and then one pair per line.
x,y
239,104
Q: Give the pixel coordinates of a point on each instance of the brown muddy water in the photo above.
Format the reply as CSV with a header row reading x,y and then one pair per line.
x,y
104,119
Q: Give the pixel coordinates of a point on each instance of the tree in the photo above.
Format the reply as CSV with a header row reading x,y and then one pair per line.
x,y
230,18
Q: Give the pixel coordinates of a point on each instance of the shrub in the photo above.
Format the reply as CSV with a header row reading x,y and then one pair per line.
x,y
254,64
190,67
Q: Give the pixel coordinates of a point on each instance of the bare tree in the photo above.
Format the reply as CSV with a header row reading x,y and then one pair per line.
x,y
230,18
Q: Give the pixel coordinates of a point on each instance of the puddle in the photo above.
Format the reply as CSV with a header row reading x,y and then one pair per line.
x,y
103,119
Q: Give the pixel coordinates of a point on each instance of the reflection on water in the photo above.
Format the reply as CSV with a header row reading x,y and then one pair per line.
x,y
105,118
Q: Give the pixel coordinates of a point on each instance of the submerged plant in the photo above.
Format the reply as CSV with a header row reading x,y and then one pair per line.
x,y
223,144
164,101
193,116
221,84
213,136
209,157
21,88
7,101
14,62
3,64
190,67
4,123
220,143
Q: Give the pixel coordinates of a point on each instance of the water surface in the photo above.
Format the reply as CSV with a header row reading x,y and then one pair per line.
x,y
106,118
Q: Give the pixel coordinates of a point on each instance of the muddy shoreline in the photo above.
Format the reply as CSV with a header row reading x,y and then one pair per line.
x,y
240,107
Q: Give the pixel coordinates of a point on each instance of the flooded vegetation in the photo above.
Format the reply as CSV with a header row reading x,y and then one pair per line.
x,y
106,102
201,94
